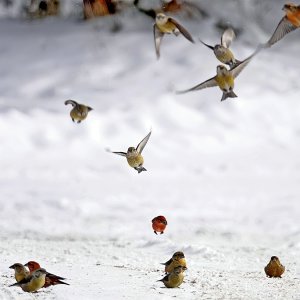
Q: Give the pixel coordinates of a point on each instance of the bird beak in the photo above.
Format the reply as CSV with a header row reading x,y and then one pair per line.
x,y
12,267
26,265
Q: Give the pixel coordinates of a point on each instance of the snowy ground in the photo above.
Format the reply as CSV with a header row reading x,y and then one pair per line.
x,y
226,175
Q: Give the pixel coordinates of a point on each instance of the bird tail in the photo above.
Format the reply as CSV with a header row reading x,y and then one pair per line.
x,y
229,94
61,282
163,264
15,284
141,169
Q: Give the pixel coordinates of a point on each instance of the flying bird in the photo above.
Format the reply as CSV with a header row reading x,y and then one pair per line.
x,y
288,23
159,224
79,112
274,268
224,79
32,282
175,278
51,279
134,155
167,25
222,51
20,271
177,259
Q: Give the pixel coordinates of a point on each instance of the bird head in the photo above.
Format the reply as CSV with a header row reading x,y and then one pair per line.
x,y
161,18
289,7
221,70
274,258
160,219
17,267
32,266
178,255
179,269
39,272
130,150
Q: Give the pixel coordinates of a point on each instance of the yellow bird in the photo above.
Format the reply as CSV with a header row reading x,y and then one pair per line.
x,y
79,111
274,268
288,23
20,271
175,278
224,79
222,51
134,155
33,282
167,25
178,259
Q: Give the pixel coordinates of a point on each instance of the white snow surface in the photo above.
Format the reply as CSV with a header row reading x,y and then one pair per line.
x,y
225,174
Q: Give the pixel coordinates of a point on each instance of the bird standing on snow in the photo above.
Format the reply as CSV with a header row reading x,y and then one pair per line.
x,y
175,278
79,111
134,155
51,279
32,282
167,25
224,79
159,224
178,259
222,52
288,23
274,268
20,271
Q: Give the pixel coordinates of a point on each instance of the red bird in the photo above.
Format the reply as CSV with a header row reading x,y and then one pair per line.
x,y
51,279
159,224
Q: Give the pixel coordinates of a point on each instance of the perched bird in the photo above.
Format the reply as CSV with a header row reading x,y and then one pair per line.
x,y
175,278
134,155
274,268
79,111
224,79
32,282
178,259
51,279
222,52
167,25
159,224
20,271
288,23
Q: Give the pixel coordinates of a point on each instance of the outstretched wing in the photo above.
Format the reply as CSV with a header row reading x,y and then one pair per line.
x,y
158,35
143,143
240,67
72,102
210,47
119,153
227,37
184,32
206,84
283,28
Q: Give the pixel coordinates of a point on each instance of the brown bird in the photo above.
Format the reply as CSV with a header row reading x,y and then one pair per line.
x,y
178,259
159,224
175,278
288,23
51,279
79,111
274,268
20,271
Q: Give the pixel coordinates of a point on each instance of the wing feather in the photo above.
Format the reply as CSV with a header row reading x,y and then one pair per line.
x,y
183,31
206,84
227,37
143,143
158,35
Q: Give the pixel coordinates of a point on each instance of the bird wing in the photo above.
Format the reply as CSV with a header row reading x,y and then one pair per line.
x,y
72,102
186,34
211,47
168,262
143,143
158,35
206,84
227,37
240,67
283,28
119,153
24,280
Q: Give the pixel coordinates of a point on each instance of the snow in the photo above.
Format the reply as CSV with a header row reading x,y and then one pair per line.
x,y
226,175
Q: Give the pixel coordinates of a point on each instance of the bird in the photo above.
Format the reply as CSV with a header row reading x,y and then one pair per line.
x,y
20,271
33,282
51,279
177,259
175,278
274,268
224,79
167,25
159,224
222,51
79,112
288,23
134,154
